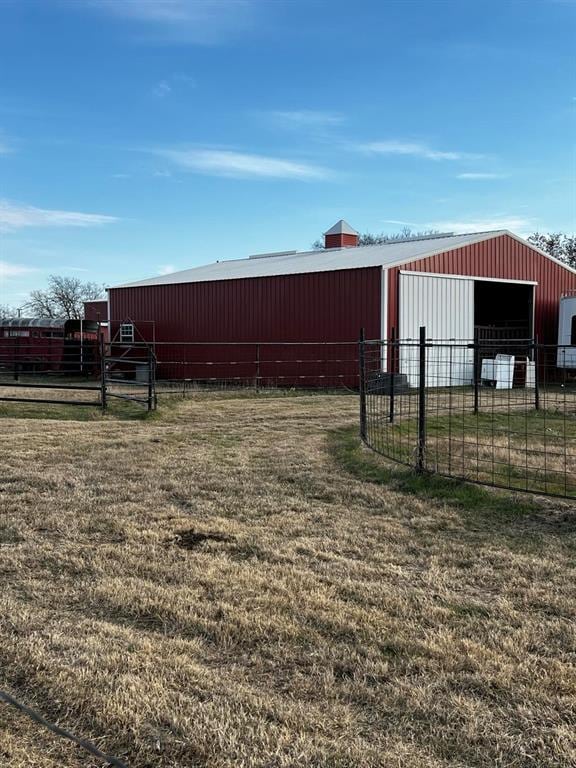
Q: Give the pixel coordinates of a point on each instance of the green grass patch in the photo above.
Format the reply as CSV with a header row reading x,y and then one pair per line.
x,y
524,450
364,464
120,410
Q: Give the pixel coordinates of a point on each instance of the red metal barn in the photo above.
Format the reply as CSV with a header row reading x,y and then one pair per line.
x,y
452,284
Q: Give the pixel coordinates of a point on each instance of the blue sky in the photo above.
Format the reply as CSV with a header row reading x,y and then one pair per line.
x,y
142,136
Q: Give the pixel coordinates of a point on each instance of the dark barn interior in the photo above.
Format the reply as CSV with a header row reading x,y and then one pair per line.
x,y
503,310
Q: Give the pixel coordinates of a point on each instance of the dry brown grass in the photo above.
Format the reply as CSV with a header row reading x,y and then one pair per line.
x,y
322,621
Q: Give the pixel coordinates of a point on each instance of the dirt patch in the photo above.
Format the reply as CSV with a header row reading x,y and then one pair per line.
x,y
192,539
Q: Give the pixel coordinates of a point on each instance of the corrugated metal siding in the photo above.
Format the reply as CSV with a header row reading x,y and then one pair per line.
x,y
504,258
96,310
323,306
341,240
446,307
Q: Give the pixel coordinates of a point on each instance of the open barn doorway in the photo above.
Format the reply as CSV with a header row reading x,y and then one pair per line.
x,y
503,311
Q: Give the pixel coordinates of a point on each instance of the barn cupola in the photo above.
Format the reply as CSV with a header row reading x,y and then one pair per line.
x,y
341,235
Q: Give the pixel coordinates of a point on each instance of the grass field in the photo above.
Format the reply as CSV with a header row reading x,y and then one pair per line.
x,y
236,582
508,443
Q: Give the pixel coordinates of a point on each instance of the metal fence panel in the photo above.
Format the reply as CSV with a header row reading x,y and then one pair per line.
x,y
509,421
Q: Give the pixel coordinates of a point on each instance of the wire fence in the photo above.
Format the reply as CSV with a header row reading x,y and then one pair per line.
x,y
63,733
183,367
50,370
75,372
94,372
497,412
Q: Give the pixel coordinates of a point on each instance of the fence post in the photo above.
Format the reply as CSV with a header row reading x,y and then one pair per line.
x,y
154,367
476,354
362,361
17,358
536,386
421,458
257,382
150,379
391,364
103,392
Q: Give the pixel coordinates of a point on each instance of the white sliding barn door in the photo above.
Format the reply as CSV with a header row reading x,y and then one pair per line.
x,y
445,305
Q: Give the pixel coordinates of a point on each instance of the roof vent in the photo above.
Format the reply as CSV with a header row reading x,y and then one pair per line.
x,y
341,235
410,238
271,255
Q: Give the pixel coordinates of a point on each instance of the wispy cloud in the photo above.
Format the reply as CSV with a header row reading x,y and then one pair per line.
x,y
5,146
8,270
400,223
517,224
161,89
166,269
195,21
176,81
218,162
308,118
481,176
14,216
415,149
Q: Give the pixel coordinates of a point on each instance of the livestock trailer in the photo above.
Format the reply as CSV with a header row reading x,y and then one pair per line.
x,y
48,345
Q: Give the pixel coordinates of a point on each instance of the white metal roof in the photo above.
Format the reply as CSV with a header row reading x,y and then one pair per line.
x,y
341,228
33,322
388,254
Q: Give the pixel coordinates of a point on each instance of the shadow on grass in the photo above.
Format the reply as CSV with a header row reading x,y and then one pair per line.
x,y
65,412
481,505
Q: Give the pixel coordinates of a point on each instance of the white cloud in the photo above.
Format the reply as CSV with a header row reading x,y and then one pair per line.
x,y
161,89
216,162
8,270
5,146
166,269
194,21
307,118
400,223
415,149
14,216
164,11
167,85
516,224
480,176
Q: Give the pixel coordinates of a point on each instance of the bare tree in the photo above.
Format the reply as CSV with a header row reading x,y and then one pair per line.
x,y
367,238
7,311
64,297
557,244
